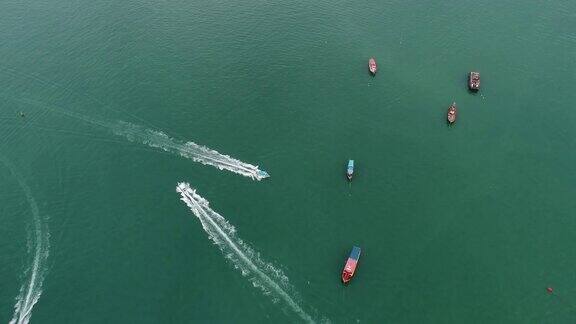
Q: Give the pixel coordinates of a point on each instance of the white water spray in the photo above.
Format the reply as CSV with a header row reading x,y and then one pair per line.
x,y
39,241
263,275
159,140
190,150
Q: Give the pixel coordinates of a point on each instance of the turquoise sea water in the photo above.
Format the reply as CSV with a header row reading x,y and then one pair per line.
x,y
463,224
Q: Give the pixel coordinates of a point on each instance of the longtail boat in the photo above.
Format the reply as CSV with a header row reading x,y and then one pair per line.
x,y
350,170
474,81
350,266
372,66
452,113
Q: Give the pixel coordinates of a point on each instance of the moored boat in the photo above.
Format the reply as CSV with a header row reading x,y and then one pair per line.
x,y
372,66
350,169
474,81
452,113
350,266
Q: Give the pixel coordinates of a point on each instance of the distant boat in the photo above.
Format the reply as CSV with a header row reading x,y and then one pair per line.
x,y
350,266
372,66
474,81
452,113
350,169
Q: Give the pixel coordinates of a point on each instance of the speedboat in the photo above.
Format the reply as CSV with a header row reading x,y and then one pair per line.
x,y
263,174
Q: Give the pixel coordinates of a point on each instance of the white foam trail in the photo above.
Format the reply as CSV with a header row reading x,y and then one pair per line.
x,y
262,274
157,139
190,150
31,289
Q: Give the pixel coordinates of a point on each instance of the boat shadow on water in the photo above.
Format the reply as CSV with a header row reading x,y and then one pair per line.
x,y
473,92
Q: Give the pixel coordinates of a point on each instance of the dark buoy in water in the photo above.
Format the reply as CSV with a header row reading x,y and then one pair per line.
x,y
550,290
22,114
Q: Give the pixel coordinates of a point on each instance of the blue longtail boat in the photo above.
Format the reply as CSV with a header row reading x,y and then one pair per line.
x,y
350,169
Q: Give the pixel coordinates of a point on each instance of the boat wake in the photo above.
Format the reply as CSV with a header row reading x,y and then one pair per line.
x,y
263,275
190,150
159,140
31,289
148,136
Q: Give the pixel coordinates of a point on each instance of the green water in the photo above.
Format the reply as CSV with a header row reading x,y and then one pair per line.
x,y
467,224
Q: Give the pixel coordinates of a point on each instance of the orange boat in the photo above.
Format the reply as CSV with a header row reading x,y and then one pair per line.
x,y
452,113
372,66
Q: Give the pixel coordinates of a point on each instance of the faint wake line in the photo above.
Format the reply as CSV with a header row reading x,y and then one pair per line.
x,y
31,289
263,275
159,140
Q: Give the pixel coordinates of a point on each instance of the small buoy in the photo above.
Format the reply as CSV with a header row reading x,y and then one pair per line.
x,y
22,114
550,290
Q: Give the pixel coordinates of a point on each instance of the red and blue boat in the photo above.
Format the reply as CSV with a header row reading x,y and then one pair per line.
x,y
350,266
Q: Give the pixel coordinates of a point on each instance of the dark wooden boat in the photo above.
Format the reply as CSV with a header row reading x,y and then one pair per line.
x,y
474,81
452,113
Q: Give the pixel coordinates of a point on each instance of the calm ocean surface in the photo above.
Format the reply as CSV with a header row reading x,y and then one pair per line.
x,y
463,224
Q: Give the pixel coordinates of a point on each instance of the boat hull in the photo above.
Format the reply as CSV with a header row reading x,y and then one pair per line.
x,y
452,114
351,264
350,170
372,66
474,81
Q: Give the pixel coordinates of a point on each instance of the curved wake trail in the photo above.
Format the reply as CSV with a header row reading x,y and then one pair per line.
x,y
159,140
190,150
31,289
263,275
